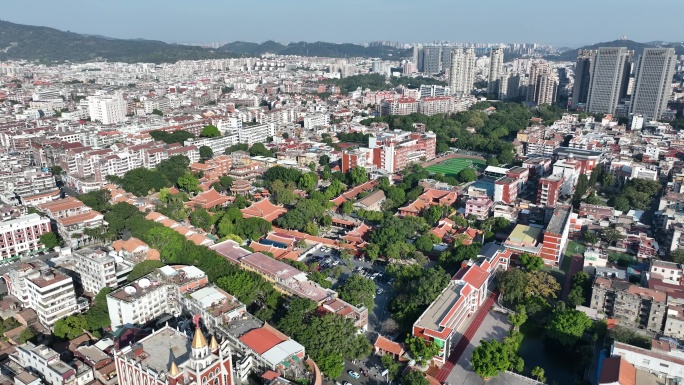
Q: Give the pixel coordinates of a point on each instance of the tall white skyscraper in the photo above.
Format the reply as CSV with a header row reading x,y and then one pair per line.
x,y
496,60
609,79
652,87
462,73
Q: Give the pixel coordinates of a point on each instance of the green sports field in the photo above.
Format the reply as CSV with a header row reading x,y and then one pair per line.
x,y
451,167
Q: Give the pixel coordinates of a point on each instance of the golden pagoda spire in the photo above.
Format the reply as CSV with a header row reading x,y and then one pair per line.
x,y
213,345
174,369
198,341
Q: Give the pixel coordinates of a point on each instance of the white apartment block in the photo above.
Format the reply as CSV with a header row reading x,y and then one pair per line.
x,y
312,121
496,60
153,295
51,295
98,269
107,109
22,235
256,134
668,362
218,145
16,278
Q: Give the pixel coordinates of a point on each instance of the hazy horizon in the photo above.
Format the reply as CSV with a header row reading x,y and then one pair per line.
x,y
496,21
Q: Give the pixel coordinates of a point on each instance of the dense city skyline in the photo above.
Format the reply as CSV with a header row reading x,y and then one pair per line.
x,y
176,21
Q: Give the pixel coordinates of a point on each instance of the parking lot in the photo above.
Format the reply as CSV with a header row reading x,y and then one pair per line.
x,y
329,259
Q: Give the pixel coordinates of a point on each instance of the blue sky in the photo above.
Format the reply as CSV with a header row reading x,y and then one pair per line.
x,y
561,23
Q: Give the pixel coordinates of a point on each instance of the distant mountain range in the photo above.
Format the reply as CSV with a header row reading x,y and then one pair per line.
x,y
321,49
571,54
18,41
44,44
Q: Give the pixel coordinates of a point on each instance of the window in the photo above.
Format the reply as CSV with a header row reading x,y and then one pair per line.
x,y
665,365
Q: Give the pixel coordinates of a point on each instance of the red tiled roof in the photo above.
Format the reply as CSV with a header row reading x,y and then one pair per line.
x,y
386,345
617,369
263,209
261,340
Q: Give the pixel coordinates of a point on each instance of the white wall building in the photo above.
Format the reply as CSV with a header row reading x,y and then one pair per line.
x,y
314,120
462,71
51,295
107,109
45,361
98,269
153,295
22,235
256,134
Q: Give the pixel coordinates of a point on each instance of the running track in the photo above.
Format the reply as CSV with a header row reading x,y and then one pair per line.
x,y
465,340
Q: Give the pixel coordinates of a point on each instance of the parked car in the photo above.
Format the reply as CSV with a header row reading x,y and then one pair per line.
x,y
353,374
379,291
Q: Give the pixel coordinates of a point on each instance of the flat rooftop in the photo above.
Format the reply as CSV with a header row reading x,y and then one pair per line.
x,y
558,220
523,234
160,348
577,152
440,307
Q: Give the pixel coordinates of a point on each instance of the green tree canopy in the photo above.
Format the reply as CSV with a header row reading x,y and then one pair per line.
x,y
567,326
490,358
201,218
210,131
49,240
466,175
414,377
531,262
358,175
258,149
143,268
358,290
206,153
188,182
421,350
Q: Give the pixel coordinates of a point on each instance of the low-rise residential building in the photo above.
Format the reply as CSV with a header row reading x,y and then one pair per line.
x,y
16,279
71,228
46,362
628,304
479,207
21,236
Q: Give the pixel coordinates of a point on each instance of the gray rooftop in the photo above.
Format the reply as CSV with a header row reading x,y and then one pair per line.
x,y
440,307
161,348
559,219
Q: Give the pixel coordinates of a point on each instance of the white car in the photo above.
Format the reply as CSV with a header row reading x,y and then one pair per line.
x,y
335,263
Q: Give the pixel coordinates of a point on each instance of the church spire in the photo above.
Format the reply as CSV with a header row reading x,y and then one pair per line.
x,y
173,372
213,345
198,341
